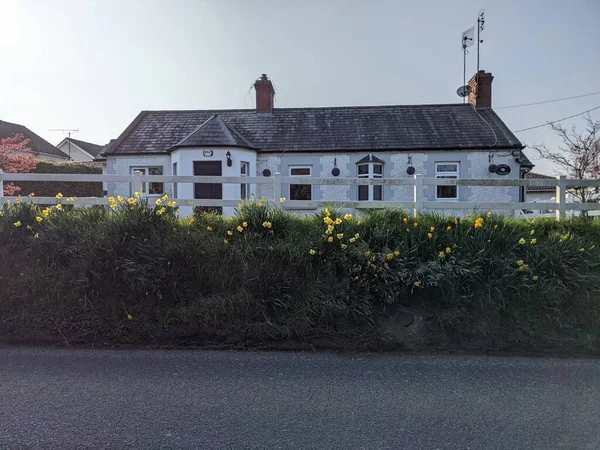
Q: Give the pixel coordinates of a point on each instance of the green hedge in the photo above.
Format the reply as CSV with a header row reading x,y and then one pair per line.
x,y
67,188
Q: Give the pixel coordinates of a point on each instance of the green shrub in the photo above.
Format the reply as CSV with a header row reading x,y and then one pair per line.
x,y
68,188
135,269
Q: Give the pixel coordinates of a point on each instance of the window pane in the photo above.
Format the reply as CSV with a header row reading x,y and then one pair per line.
x,y
154,170
300,171
244,169
300,192
244,191
447,168
378,192
363,169
378,169
447,192
363,193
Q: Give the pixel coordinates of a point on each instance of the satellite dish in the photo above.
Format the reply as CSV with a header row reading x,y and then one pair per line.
x,y
464,91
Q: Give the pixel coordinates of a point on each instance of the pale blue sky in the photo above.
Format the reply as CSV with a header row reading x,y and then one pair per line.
x,y
94,65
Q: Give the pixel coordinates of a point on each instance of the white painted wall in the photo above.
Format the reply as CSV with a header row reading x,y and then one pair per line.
x,y
122,165
185,158
536,196
77,153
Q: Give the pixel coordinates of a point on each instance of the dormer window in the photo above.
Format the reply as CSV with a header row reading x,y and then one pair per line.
x,y
370,167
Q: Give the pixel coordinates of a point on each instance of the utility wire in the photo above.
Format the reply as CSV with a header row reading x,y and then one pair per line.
x,y
555,121
548,101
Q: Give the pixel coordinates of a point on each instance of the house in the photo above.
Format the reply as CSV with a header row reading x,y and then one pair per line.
x,y
79,151
459,140
540,193
41,148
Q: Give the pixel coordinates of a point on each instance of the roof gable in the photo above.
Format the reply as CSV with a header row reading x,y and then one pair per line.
x,y
88,147
215,132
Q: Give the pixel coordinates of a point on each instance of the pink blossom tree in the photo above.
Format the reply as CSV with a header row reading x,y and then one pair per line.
x,y
15,158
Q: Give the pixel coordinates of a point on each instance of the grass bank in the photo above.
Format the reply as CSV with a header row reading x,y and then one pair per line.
x,y
135,274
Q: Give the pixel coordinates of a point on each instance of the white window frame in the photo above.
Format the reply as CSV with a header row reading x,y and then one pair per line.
x,y
145,185
370,174
290,169
447,174
244,187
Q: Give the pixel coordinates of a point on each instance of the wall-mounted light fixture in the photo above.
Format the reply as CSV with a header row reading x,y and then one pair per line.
x,y
228,156
335,171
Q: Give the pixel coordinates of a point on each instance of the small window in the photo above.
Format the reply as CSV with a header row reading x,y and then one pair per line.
x,y
300,191
447,170
152,188
370,192
244,187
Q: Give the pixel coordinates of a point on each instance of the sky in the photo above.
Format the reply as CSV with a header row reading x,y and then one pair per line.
x,y
95,64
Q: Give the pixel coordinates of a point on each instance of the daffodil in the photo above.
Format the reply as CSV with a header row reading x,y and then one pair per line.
x,y
441,255
432,229
535,278
137,194
28,227
158,202
209,228
59,207
245,224
405,220
495,227
416,224
113,206
131,201
533,241
225,241
239,228
522,241
347,216
338,221
330,229
582,249
343,246
161,211
32,194
448,250
46,212
520,262
8,202
448,228
38,219
408,230
330,239
339,235
172,204
192,220
523,268
565,237
489,214
327,212
352,240
478,222
59,196
17,223
396,253
389,256
327,220
70,200
266,225
357,235
312,252
36,235
111,200
429,235
532,232
282,200
367,254
129,317
165,198
120,198
229,233
417,284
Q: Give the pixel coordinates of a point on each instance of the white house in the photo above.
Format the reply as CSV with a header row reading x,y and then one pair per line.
x,y
79,151
441,140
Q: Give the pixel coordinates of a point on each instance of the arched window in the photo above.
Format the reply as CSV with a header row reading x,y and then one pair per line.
x,y
370,167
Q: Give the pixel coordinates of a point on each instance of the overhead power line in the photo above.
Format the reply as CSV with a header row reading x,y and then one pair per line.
x,y
559,120
549,101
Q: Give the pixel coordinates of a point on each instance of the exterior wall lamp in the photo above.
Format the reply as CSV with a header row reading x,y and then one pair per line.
x,y
228,156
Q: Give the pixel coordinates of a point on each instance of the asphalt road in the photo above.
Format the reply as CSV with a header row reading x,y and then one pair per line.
x,y
63,399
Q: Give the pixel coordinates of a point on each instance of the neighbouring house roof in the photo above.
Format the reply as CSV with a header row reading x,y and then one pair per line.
x,y
88,147
539,176
215,132
37,144
334,129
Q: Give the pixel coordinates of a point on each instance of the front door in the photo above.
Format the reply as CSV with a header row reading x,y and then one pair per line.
x,y
208,190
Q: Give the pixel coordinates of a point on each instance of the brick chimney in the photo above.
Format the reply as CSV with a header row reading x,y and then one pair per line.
x,y
265,94
481,89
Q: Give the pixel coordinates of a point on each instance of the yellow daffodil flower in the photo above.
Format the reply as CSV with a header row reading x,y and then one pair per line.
x,y
389,256
429,235
448,250
158,202
282,200
165,198
38,219
225,241
209,228
17,223
343,246
245,224
137,194
36,235
442,255
348,217
489,214
229,233
267,224
522,241
448,228
396,253
312,252
70,200
535,278
59,207
239,228
417,284
478,223
330,239
59,196
339,235
533,241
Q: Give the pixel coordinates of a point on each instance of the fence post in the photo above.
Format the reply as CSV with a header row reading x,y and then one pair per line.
x,y
137,181
277,189
1,191
561,197
418,196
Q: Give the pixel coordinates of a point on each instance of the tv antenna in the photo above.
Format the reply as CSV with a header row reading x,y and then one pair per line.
x,y
480,28
466,41
68,131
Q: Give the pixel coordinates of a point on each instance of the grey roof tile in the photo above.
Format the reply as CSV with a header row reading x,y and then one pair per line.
x,y
335,129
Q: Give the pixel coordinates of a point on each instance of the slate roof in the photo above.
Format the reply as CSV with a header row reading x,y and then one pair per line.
x,y
539,176
37,144
215,132
92,149
334,129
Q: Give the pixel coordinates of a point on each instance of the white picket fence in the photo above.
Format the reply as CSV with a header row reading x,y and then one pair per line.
x,y
418,204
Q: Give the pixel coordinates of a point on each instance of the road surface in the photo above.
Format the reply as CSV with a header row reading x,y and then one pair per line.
x,y
132,399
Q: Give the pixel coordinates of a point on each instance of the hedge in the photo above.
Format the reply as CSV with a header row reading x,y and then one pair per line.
x,y
67,188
